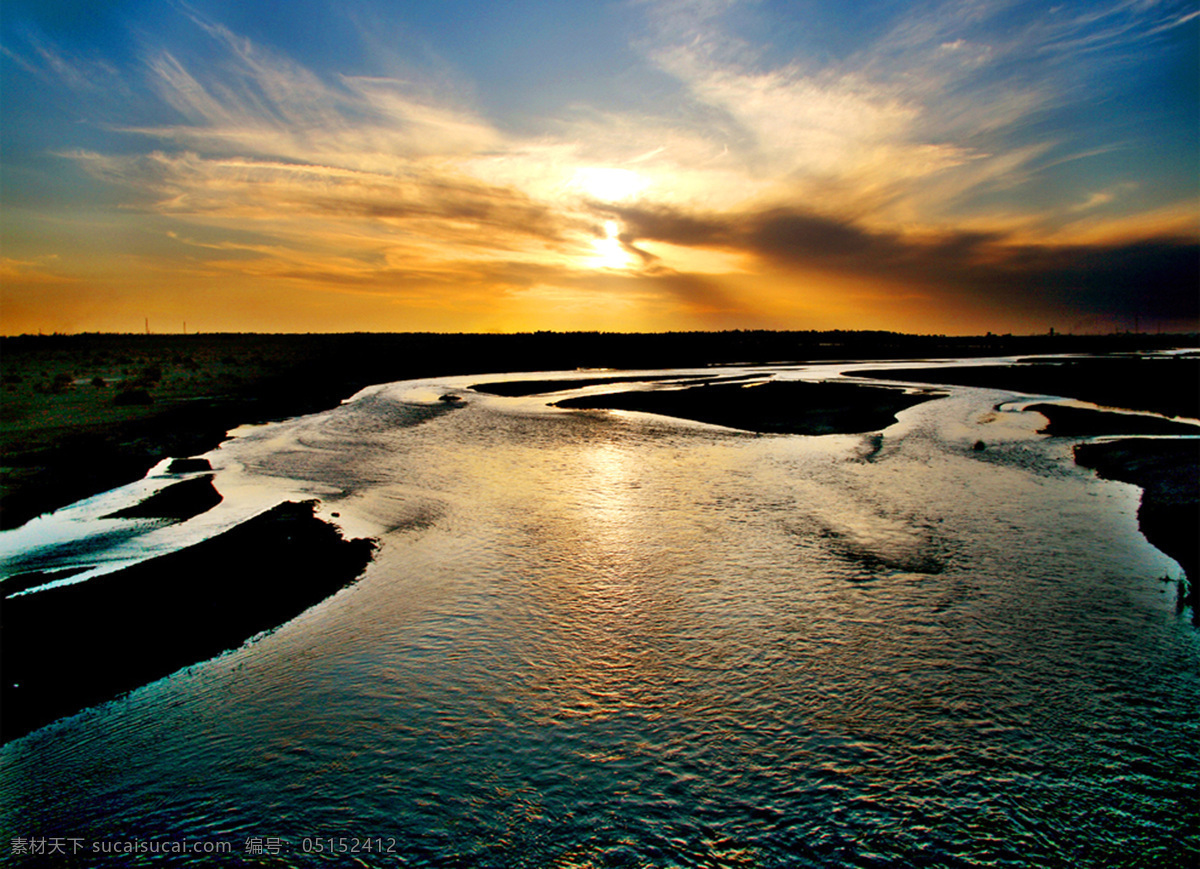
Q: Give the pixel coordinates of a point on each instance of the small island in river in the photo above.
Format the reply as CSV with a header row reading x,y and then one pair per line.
x,y
775,407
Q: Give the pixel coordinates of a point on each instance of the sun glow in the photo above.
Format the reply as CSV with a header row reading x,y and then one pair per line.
x,y
610,253
607,184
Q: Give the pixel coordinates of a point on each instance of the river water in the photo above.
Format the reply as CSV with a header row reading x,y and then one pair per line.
x,y
613,639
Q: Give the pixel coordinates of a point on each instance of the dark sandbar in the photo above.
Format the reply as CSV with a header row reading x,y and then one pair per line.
x,y
175,503
1168,471
1067,421
1166,385
66,648
188,466
521,388
777,407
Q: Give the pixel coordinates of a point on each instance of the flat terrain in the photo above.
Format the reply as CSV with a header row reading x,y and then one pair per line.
x,y
80,414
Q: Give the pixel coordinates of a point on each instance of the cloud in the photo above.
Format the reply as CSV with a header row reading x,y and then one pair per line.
x,y
32,271
939,110
53,65
188,184
1158,276
897,168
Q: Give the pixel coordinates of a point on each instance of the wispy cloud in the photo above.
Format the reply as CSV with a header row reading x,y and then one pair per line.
x,y
899,164
33,271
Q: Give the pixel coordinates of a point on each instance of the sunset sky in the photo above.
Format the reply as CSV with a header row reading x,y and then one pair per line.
x,y
342,165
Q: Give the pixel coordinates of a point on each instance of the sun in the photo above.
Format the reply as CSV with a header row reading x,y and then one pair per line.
x,y
610,253
608,184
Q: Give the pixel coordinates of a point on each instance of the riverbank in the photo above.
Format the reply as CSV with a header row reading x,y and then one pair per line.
x,y
1168,472
66,648
1067,421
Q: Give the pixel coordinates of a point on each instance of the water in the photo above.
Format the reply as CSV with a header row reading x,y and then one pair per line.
x,y
614,639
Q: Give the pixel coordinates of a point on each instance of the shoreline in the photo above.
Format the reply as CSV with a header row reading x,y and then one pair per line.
x,y
66,648
1168,473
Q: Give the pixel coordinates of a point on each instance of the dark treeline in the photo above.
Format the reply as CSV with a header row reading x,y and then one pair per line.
x,y
466,352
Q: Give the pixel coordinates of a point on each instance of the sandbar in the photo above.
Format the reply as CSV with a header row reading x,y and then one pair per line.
x,y
1168,472
66,648
1067,421
176,502
775,407
1166,385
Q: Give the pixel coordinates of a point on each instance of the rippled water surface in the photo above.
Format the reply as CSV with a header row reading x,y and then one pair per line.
x,y
613,639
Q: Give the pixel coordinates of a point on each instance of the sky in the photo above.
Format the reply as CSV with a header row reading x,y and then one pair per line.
x,y
643,165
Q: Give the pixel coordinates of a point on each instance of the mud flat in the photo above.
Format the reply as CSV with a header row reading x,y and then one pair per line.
x,y
776,407
64,649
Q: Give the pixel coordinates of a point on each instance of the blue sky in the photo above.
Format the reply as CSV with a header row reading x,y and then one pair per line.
x,y
311,165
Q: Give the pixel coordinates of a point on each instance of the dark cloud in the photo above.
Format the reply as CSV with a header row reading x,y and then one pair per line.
x,y
1159,279
1156,278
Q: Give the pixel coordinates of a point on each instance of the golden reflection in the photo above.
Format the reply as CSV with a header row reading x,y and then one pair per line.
x,y
609,486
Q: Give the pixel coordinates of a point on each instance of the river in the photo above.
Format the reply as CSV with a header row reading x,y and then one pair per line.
x,y
599,638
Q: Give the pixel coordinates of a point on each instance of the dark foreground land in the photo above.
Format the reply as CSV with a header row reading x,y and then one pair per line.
x,y
63,649
81,414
